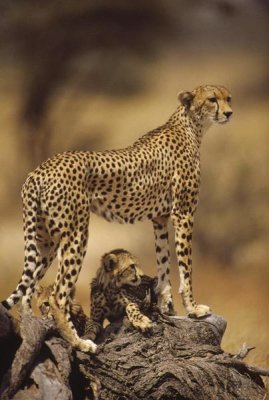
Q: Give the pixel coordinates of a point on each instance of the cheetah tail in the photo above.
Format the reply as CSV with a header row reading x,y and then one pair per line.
x,y
28,278
13,298
6,304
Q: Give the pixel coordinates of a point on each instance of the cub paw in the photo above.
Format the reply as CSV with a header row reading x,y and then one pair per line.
x,y
144,325
199,311
87,346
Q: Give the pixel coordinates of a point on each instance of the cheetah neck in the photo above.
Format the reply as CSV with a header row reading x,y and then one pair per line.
x,y
194,126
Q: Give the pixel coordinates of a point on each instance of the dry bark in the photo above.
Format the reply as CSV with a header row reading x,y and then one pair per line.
x,y
181,359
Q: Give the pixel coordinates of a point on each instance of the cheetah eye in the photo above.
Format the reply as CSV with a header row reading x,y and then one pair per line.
x,y
229,99
125,273
132,266
212,99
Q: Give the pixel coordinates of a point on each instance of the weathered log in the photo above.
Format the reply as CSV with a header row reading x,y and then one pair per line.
x,y
181,359
33,333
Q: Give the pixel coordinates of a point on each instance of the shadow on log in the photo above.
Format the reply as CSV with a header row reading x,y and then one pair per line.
x,y
181,359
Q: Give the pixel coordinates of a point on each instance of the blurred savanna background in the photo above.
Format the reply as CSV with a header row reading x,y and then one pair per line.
x,y
97,75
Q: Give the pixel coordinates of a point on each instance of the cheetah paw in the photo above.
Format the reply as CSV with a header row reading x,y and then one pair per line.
x,y
87,345
199,311
165,302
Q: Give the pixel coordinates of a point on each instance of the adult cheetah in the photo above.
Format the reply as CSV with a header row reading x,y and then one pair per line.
x,y
156,178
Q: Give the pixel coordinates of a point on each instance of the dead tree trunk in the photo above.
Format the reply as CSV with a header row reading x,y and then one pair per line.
x,y
181,359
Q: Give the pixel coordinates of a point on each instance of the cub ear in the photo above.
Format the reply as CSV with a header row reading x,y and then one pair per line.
x,y
109,261
39,289
185,99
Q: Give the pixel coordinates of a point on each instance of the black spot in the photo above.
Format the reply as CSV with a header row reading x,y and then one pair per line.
x,y
44,261
29,273
164,236
6,305
182,264
22,288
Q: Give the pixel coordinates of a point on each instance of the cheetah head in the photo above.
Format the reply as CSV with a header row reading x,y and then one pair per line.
x,y
208,103
122,267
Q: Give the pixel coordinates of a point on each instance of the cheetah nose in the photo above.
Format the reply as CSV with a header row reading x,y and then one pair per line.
x,y
228,114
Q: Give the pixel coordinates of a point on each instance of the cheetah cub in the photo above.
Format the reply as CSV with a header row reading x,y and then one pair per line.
x,y
120,288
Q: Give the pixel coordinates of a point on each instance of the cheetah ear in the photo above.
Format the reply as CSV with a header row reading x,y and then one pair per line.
x,y
38,289
185,99
109,261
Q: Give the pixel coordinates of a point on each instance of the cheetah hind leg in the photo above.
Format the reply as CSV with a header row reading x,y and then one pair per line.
x,y
66,328
72,252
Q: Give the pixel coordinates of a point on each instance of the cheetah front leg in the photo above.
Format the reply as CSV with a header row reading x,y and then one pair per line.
x,y
163,290
183,225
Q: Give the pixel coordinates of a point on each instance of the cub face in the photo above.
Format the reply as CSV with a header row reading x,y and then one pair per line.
x,y
42,298
122,267
43,294
212,103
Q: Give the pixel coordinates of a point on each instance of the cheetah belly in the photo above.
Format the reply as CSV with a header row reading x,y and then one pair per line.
x,y
131,209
